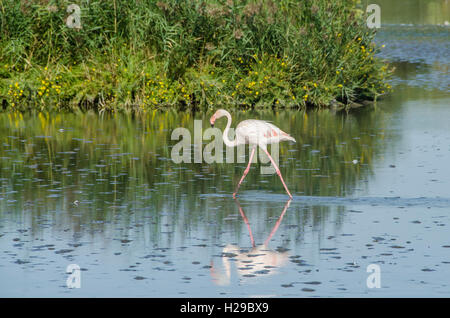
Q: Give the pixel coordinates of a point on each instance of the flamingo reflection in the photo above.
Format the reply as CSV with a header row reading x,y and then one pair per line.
x,y
257,262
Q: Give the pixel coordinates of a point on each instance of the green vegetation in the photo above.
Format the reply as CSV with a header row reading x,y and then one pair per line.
x,y
139,55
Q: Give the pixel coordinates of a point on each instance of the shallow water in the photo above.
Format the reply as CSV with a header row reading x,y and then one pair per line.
x,y
369,187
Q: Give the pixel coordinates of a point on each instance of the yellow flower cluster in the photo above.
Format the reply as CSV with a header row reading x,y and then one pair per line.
x,y
158,90
47,86
252,85
15,92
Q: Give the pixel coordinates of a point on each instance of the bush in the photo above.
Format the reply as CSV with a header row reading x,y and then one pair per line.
x,y
134,55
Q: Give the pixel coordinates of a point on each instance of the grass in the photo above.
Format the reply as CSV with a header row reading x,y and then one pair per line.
x,y
140,55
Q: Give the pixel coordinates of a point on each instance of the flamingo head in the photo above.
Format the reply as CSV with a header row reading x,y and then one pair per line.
x,y
219,113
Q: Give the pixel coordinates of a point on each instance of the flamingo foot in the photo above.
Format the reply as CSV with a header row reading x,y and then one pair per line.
x,y
289,194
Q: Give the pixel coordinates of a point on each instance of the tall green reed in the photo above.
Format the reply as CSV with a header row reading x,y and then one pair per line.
x,y
284,53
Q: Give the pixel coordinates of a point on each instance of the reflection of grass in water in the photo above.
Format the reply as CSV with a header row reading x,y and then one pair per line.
x,y
127,160
155,192
324,132
92,148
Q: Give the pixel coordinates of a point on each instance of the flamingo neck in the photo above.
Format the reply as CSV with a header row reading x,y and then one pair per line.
x,y
225,138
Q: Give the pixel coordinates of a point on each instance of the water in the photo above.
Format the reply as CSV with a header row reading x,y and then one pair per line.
x,y
369,187
412,12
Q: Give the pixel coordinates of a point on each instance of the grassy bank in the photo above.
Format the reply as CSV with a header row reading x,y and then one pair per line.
x,y
137,55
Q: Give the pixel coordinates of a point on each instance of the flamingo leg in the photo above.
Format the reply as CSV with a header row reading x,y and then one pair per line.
x,y
244,217
278,172
275,228
245,171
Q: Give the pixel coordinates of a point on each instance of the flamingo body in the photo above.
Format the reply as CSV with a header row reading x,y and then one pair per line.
x,y
260,132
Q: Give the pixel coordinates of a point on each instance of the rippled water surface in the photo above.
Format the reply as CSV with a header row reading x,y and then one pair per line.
x,y
369,187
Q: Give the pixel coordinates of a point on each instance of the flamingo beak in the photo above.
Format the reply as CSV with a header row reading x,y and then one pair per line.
x,y
212,120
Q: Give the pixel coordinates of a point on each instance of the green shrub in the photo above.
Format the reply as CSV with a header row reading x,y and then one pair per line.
x,y
134,55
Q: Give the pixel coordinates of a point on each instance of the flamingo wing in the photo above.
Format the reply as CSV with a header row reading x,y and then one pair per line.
x,y
274,131
260,131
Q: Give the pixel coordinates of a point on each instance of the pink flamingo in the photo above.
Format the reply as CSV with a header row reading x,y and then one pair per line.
x,y
256,133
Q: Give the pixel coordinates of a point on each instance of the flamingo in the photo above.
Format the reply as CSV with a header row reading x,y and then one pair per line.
x,y
256,133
